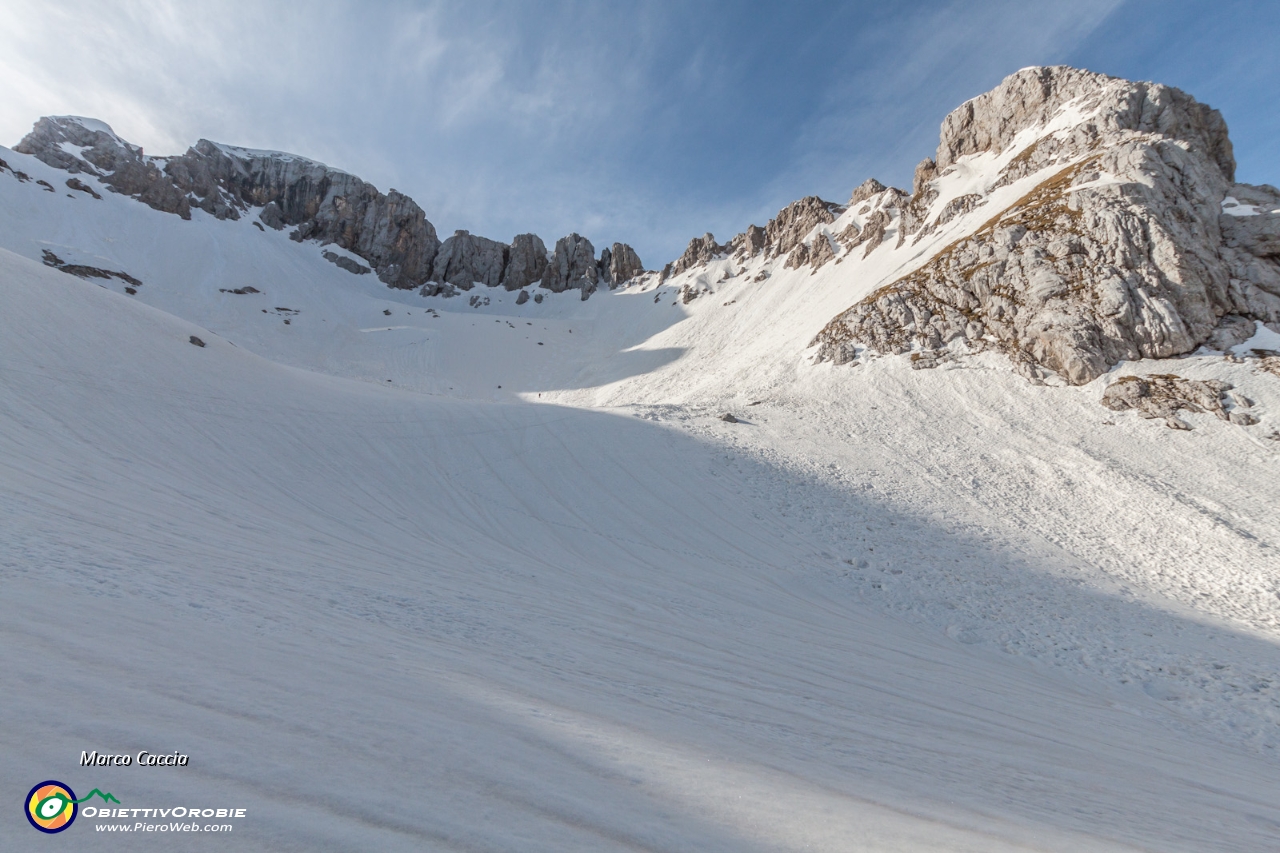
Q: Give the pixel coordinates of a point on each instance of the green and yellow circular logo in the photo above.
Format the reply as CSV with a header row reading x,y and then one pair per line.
x,y
51,806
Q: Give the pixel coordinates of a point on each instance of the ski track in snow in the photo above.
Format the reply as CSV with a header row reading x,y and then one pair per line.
x,y
891,609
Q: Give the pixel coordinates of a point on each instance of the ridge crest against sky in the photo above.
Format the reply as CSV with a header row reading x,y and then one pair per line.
x,y
646,123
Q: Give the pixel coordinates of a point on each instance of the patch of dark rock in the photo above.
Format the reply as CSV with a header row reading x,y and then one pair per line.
x,y
80,186
729,418
83,271
48,187
258,225
196,341
132,291
386,311
22,177
523,297
240,291
537,298
343,262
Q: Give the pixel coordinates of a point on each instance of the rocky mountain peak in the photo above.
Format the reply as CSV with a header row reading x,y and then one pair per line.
x,y
1118,244
323,204
54,138
1068,219
1103,106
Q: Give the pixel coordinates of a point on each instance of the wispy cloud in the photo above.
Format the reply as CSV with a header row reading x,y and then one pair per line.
x,y
643,122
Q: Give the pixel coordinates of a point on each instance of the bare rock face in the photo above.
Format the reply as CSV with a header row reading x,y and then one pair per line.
x,y
465,260
821,250
868,188
572,266
1033,96
872,233
619,263
700,251
526,264
1123,249
794,222
389,231
120,165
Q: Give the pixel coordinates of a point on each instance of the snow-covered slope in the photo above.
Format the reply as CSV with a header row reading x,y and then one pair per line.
x,y
540,627
504,559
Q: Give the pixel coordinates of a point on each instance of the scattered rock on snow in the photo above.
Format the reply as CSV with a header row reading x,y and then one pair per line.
x,y
86,272
1165,395
343,262
193,339
80,186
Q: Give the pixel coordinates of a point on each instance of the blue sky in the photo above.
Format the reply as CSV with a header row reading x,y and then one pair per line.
x,y
648,123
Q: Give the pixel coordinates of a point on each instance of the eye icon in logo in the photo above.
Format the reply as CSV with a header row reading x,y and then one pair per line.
x,y
51,806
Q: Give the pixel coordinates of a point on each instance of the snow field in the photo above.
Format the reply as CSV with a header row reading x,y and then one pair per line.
x,y
892,609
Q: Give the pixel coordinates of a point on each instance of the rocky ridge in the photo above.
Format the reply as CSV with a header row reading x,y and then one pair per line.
x,y
1135,242
1127,236
1068,219
388,230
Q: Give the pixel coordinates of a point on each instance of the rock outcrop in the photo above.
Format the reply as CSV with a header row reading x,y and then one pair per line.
x,y
318,203
793,223
868,188
700,251
465,260
526,262
1133,242
619,263
1166,396
573,266
388,230
343,262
